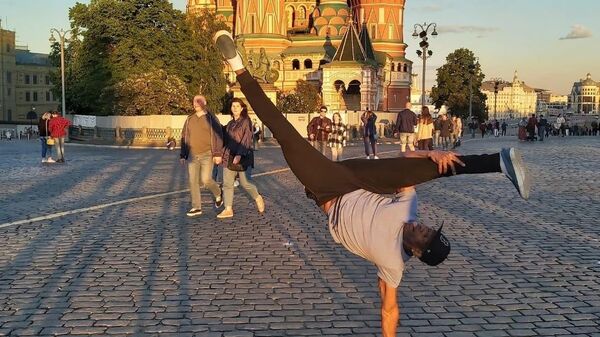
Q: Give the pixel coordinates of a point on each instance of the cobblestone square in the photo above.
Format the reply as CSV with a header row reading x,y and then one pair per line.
x,y
110,251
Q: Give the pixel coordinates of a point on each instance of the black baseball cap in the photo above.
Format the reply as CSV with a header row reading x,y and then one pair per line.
x,y
437,250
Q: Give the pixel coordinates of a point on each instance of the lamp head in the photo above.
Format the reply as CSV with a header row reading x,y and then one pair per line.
x,y
52,39
435,33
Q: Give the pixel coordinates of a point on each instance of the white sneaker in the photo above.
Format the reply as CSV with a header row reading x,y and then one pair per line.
x,y
236,183
375,157
194,212
44,160
50,160
368,157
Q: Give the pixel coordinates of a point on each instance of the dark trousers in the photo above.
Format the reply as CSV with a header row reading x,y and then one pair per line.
x,y
370,145
425,144
326,179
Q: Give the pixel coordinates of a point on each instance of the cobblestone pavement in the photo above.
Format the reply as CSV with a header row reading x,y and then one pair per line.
x,y
141,267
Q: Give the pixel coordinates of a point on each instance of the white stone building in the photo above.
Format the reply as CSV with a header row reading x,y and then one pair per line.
x,y
514,99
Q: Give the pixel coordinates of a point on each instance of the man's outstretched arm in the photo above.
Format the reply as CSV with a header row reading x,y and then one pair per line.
x,y
444,159
390,313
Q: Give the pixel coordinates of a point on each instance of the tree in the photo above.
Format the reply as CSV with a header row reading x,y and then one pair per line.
x,y
122,40
453,79
150,94
304,99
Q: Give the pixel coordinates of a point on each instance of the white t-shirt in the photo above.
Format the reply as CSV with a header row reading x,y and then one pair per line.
x,y
371,226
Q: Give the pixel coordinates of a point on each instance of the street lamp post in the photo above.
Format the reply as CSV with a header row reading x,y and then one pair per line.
x,y
424,53
61,35
497,82
472,72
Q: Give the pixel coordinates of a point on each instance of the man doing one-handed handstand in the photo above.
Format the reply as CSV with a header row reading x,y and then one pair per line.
x,y
380,229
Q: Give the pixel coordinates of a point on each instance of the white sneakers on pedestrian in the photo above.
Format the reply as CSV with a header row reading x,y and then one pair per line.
x,y
50,160
194,212
44,160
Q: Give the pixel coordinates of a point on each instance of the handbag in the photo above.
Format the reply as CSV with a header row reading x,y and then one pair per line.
x,y
245,162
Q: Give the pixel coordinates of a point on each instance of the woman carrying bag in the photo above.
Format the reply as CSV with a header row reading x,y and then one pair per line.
x,y
337,137
45,139
238,157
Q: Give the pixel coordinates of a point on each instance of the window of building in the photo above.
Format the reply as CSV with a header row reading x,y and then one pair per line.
x,y
405,69
307,64
8,91
47,80
8,77
8,47
47,96
27,96
295,65
27,79
35,96
34,79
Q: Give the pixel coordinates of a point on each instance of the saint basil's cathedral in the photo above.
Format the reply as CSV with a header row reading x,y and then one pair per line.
x,y
352,50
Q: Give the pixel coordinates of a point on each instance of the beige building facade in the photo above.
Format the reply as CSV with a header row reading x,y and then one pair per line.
x,y
585,96
25,83
514,99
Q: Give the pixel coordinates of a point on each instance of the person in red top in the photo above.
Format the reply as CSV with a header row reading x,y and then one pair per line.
x,y
58,130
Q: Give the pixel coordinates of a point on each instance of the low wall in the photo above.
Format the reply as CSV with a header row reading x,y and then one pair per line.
x,y
155,130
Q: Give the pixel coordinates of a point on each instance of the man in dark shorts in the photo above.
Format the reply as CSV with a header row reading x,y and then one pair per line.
x,y
380,229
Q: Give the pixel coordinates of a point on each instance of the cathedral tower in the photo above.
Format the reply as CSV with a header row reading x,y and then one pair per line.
x,y
385,22
330,18
195,6
261,24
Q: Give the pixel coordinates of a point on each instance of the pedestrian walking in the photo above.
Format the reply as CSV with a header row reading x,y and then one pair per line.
x,y
425,133
318,130
541,127
45,139
379,229
523,129
504,126
456,131
337,137
531,124
238,158
256,132
496,128
482,129
560,122
436,131
58,131
445,131
201,147
368,118
406,121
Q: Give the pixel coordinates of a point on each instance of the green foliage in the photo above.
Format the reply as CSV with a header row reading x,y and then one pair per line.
x,y
304,99
116,41
153,93
453,80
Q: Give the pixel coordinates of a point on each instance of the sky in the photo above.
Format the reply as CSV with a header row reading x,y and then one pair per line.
x,y
551,43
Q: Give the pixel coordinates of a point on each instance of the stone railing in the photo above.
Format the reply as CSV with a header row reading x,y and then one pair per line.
x,y
123,136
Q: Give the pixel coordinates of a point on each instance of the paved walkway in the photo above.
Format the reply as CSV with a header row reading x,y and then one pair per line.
x,y
136,265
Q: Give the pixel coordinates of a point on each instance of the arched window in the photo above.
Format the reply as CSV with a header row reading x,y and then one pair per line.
x,y
295,65
405,69
393,66
308,64
302,12
290,16
353,88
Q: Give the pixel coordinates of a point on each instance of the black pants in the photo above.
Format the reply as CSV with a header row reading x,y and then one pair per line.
x,y
326,179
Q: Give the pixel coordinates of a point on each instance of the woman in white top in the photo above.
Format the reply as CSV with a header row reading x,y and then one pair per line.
x,y
425,130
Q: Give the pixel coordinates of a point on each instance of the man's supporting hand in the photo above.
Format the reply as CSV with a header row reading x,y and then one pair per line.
x,y
445,160
390,313
217,160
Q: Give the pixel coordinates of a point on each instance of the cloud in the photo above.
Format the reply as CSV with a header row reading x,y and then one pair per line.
x,y
466,29
577,32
